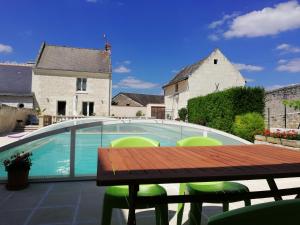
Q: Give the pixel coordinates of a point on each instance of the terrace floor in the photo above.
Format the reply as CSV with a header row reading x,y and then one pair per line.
x,y
80,203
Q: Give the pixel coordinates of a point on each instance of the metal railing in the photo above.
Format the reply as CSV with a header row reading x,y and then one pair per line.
x,y
73,129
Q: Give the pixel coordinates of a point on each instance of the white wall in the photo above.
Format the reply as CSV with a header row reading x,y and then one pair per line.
x,y
175,101
204,80
50,88
126,111
9,116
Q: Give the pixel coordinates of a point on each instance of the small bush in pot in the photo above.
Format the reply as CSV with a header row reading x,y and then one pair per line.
x,y
17,168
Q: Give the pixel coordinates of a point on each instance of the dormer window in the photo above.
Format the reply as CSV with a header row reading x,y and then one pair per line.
x,y
215,61
176,87
81,84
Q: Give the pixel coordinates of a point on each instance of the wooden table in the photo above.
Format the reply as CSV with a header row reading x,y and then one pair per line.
x,y
155,165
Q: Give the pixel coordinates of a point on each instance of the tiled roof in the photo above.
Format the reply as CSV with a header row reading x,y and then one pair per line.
x,y
184,73
144,99
73,59
15,79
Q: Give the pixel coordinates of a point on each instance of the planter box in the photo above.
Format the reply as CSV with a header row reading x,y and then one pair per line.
x,y
274,140
17,179
260,138
291,143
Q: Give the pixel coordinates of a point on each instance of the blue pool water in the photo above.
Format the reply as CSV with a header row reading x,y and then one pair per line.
x,y
51,155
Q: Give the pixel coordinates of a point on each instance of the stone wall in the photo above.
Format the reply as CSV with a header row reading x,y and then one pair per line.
x,y
9,116
126,111
276,116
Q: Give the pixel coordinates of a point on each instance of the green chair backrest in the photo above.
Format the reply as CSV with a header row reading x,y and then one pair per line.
x,y
198,141
133,141
284,212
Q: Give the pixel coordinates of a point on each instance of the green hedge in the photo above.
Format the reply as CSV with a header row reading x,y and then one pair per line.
x,y
218,110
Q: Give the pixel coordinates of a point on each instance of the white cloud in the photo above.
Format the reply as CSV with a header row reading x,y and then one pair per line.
x,y
281,61
268,21
247,67
5,48
121,69
220,22
277,86
127,62
292,66
287,48
132,82
213,37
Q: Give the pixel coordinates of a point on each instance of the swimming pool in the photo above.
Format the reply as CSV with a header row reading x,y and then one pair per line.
x,y
51,154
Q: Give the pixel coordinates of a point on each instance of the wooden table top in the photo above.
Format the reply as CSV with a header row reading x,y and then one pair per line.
x,y
117,166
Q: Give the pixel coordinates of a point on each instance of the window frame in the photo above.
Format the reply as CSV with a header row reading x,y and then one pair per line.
x,y
81,84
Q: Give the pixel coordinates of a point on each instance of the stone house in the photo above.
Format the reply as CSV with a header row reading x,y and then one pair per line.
x,y
72,81
214,73
277,115
15,85
128,104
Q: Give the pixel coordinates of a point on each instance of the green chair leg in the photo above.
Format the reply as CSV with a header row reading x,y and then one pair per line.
x,y
162,214
180,209
195,213
106,212
247,202
225,206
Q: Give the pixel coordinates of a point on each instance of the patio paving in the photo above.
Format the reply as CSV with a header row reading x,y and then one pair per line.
x,y
80,203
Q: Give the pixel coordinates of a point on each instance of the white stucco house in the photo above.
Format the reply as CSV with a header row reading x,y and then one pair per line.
x,y
214,73
72,81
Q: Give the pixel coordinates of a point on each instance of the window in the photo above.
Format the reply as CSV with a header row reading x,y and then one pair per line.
x,y
61,108
81,84
176,87
88,108
215,61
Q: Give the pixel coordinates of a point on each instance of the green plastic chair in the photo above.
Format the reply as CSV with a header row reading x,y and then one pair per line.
x,y
118,196
202,188
284,212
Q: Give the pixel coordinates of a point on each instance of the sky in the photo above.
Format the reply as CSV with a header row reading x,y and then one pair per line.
x,y
152,40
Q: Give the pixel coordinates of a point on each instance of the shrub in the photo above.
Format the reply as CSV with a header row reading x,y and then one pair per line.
x,y
182,114
139,113
248,125
219,109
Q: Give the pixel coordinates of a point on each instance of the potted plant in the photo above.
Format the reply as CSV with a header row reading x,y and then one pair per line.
x,y
17,168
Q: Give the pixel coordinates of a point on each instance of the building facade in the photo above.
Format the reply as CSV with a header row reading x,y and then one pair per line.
x,y
133,105
277,115
214,73
15,85
72,81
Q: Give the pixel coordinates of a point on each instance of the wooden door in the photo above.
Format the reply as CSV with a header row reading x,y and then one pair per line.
x,y
158,112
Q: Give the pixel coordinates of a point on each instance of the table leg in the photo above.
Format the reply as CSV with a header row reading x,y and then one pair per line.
x,y
274,189
133,189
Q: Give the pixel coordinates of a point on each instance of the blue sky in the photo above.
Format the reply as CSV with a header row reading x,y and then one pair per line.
x,y
151,40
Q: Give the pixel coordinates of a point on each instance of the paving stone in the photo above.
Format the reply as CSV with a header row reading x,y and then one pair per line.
x,y
14,217
61,199
52,215
17,203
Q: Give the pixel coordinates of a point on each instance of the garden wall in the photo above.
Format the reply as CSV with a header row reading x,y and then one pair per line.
x,y
9,116
126,111
276,115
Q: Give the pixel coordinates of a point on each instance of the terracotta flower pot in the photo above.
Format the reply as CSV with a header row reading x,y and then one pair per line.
x,y
260,138
17,179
